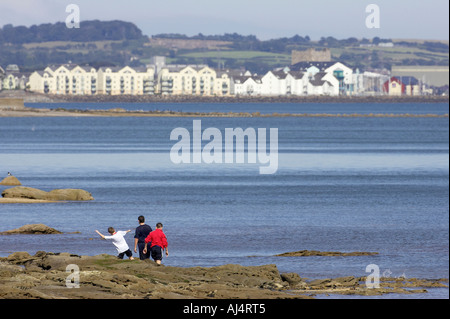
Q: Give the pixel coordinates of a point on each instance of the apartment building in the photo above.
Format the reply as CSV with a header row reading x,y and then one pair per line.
x,y
305,78
71,79
406,85
66,79
311,81
198,80
126,81
12,79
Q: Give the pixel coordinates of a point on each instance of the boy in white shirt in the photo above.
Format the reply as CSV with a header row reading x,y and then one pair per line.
x,y
119,242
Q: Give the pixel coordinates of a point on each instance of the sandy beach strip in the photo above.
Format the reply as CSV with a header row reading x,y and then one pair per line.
x,y
23,201
60,112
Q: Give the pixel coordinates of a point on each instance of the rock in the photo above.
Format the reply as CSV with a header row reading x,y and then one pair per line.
x,y
24,192
10,181
107,277
349,281
32,229
291,278
321,283
302,253
19,257
69,194
54,195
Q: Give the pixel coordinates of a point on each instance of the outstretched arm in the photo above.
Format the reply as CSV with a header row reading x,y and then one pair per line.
x,y
102,236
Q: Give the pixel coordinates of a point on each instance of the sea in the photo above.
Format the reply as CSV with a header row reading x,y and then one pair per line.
x,y
360,183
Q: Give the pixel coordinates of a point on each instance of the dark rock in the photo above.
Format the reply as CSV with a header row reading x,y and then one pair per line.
x,y
54,195
10,181
33,229
302,253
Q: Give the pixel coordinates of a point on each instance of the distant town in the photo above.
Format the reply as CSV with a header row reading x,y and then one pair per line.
x,y
311,73
58,62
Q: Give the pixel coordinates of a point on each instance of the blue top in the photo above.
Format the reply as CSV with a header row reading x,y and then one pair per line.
x,y
142,232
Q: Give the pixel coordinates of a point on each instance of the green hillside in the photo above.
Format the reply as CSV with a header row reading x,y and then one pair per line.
x,y
100,43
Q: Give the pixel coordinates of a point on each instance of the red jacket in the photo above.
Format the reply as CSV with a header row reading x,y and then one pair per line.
x,y
157,238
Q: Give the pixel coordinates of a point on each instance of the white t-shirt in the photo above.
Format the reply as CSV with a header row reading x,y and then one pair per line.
x,y
119,241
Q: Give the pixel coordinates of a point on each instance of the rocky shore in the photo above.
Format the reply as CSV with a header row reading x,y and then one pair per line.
x,y
255,99
45,276
32,229
22,194
305,253
31,97
119,112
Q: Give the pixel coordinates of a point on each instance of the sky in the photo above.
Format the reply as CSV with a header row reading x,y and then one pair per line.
x,y
267,19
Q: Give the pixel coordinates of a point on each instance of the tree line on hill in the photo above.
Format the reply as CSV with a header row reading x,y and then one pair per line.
x,y
89,31
127,46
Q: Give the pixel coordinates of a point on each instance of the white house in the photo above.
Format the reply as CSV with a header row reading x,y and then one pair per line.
x,y
13,81
296,83
247,85
322,83
126,81
65,79
345,76
193,80
341,72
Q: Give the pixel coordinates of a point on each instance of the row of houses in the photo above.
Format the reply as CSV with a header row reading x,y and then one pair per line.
x,y
300,79
313,79
12,79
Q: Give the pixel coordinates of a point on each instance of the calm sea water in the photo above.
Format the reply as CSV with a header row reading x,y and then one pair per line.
x,y
343,184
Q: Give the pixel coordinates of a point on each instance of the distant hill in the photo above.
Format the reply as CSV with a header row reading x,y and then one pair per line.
x,y
100,43
89,31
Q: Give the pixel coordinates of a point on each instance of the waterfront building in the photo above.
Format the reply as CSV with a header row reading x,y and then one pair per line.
x,y
199,80
65,79
341,72
405,85
12,79
126,81
70,79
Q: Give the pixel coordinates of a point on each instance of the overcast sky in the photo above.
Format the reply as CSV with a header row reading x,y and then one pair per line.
x,y
266,19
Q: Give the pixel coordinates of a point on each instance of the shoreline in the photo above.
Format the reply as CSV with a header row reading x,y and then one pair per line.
x,y
43,276
24,201
32,97
118,112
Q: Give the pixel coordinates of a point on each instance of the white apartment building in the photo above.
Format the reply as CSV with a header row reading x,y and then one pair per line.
x,y
126,81
71,79
309,78
334,70
247,85
12,78
13,81
193,80
286,82
66,79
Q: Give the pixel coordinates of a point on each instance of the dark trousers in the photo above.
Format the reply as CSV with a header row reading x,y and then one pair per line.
x,y
157,253
127,252
141,247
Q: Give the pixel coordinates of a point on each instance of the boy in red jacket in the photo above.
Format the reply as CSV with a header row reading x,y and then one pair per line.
x,y
158,242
